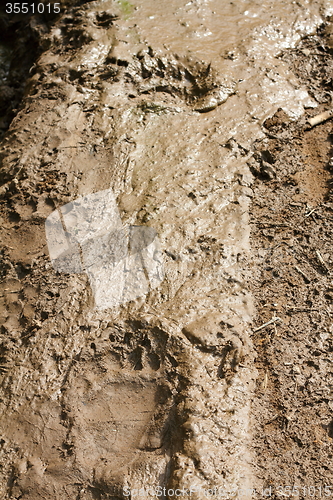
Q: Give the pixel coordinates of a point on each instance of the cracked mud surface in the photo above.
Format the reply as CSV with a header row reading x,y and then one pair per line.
x,y
181,388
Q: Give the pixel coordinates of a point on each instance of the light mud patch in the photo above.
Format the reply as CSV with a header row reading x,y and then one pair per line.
x,y
110,416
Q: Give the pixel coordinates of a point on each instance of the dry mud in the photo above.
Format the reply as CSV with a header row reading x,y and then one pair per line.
x,y
292,239
176,389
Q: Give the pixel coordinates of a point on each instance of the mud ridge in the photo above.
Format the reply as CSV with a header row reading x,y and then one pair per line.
x,y
97,403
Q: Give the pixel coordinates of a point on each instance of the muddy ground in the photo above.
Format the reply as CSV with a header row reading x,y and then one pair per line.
x,y
177,368
292,215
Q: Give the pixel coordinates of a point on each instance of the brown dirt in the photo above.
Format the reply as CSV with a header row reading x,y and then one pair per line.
x,y
292,219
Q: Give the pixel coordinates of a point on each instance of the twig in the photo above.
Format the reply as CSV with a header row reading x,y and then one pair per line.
x,y
275,318
301,309
330,207
322,117
311,212
293,204
321,260
303,274
265,381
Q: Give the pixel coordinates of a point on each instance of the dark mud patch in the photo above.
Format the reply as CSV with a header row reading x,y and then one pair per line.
x,y
23,37
292,221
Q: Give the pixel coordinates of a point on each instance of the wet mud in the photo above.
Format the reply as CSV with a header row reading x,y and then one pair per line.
x,y
182,388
